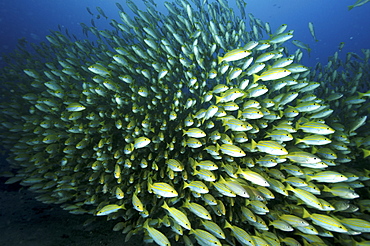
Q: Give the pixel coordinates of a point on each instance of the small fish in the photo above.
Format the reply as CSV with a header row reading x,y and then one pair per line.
x,y
162,189
342,192
141,142
230,95
88,10
328,223
358,3
108,209
99,69
315,127
356,224
206,164
294,220
213,228
312,31
205,238
156,235
205,174
236,125
270,147
242,236
327,177
232,150
198,210
234,55
272,74
178,216
280,135
194,132
175,165
281,225
303,157
314,140
193,143
282,37
136,203
307,197
235,187
119,193
302,45
197,186
75,107
253,177
101,12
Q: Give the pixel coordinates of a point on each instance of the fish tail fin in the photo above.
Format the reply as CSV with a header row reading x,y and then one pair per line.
x,y
297,141
165,206
219,59
226,127
193,164
297,125
255,78
314,150
308,178
306,214
289,187
218,99
227,224
253,144
240,113
366,152
217,147
326,189
239,171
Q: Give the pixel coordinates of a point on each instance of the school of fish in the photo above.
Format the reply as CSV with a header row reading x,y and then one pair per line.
x,y
194,127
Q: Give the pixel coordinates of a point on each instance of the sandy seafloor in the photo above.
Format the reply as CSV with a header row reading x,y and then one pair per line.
x,y
26,221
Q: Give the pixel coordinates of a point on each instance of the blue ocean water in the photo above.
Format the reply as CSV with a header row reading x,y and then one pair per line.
x,y
32,20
